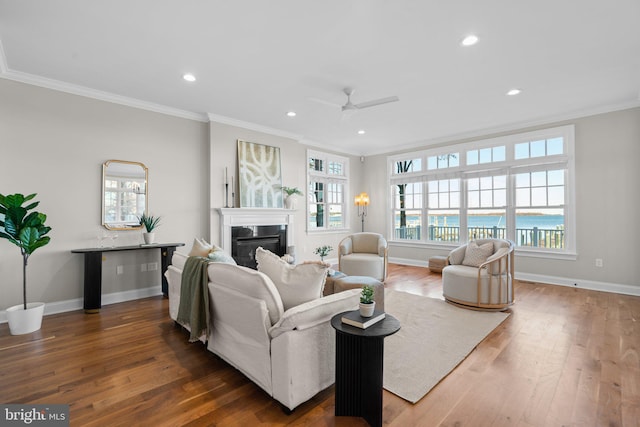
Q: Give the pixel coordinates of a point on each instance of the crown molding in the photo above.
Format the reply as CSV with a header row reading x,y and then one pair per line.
x,y
252,126
18,76
100,95
326,147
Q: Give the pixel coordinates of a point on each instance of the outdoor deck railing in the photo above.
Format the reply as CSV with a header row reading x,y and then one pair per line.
x,y
533,237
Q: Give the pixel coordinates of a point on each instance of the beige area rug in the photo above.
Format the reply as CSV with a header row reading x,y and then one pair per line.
x,y
434,337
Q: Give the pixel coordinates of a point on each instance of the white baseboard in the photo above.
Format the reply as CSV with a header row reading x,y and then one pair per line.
x,y
77,304
407,261
551,280
616,288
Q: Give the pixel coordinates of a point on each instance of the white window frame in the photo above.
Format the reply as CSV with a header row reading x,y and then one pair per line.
x,y
326,178
508,167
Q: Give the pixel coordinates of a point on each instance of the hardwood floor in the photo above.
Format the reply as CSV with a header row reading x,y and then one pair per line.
x,y
565,357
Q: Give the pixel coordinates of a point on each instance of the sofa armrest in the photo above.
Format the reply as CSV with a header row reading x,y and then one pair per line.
x,y
382,246
456,256
345,247
314,312
497,263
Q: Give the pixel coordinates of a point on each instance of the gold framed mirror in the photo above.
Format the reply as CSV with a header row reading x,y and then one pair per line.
x,y
124,194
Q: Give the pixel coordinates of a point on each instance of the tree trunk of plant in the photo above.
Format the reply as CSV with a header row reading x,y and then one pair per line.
x,y
25,258
403,213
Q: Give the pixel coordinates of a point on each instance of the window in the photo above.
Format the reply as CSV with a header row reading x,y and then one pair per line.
x,y
443,209
517,187
327,178
407,216
540,209
486,207
486,155
449,160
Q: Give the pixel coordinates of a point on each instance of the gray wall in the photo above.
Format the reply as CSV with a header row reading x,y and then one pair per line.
x,y
53,143
607,204
294,169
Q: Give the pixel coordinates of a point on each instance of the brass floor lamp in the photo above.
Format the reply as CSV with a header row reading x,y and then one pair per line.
x,y
362,201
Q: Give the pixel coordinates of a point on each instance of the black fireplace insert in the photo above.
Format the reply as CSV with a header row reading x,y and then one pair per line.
x,y
245,240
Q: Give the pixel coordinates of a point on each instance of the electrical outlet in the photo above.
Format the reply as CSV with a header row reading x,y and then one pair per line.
x,y
119,269
152,266
599,262
143,267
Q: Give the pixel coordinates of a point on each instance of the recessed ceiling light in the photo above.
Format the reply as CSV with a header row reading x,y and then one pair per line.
x,y
291,114
189,77
361,132
513,92
470,40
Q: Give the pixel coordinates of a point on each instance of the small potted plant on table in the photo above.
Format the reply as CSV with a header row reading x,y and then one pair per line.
x,y
367,304
323,251
150,223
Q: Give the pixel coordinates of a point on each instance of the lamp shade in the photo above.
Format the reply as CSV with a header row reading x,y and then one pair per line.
x,y
362,199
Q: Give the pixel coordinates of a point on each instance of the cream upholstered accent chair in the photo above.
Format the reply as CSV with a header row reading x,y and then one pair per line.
x,y
480,275
363,254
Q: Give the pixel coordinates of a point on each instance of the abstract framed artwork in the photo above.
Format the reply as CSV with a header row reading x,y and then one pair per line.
x,y
260,181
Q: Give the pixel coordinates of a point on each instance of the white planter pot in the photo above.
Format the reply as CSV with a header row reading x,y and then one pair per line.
x,y
23,321
149,238
290,202
366,310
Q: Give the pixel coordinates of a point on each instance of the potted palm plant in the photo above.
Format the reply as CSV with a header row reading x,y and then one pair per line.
x,y
290,200
150,223
26,230
367,304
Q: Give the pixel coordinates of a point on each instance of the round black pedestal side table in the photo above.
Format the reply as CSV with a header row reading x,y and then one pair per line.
x,y
359,368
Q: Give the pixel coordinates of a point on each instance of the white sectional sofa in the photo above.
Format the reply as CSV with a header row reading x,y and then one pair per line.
x,y
289,353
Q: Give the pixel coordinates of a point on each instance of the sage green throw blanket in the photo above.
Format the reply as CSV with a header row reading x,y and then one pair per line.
x,y
194,297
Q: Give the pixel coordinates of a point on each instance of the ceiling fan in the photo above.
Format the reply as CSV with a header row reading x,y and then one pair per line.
x,y
351,107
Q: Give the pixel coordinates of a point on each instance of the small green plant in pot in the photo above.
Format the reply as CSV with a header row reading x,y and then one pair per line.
x,y
150,223
27,230
367,304
290,200
323,251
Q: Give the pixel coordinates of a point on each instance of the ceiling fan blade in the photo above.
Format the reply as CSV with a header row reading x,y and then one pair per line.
x,y
322,101
377,102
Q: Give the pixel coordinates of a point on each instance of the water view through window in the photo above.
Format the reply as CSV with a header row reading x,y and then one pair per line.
x,y
535,229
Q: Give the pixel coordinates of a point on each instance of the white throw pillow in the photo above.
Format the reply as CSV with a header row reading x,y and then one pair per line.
x,y
200,248
475,255
296,284
218,255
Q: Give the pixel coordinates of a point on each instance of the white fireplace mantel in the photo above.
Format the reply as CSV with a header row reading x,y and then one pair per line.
x,y
247,217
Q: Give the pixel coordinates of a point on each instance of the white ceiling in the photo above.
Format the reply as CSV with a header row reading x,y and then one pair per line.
x,y
255,60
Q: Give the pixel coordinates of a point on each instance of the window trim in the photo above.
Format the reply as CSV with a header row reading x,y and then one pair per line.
x,y
326,178
509,167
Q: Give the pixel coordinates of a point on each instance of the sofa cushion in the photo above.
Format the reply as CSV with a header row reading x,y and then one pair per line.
x,y
363,264
178,260
307,315
296,284
367,243
475,255
248,282
218,255
200,248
